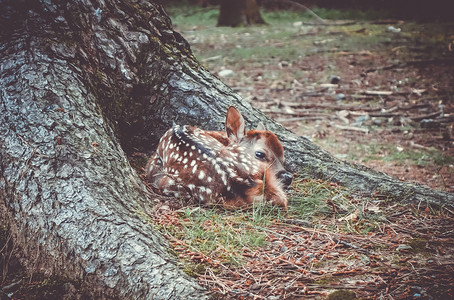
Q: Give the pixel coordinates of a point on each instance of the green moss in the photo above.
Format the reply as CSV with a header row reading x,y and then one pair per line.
x,y
194,270
418,245
326,280
342,295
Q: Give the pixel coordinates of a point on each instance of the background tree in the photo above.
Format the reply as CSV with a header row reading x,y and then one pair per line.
x,y
81,84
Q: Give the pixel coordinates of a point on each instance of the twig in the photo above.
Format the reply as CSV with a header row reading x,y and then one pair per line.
x,y
429,116
297,222
352,128
283,120
306,9
350,245
329,106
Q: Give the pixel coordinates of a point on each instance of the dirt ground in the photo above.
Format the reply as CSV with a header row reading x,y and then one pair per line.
x,y
389,107
378,93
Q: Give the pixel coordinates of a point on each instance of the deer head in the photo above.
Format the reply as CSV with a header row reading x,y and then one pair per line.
x,y
234,168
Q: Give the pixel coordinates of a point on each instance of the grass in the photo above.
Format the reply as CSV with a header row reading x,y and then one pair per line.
x,y
225,237
283,39
391,153
198,16
314,198
219,234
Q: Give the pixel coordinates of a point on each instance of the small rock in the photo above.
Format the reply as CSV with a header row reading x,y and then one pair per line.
x,y
393,29
340,96
297,24
359,120
226,73
334,79
377,121
283,64
403,247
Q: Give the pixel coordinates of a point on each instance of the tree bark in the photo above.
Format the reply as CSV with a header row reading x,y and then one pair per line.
x,y
74,76
83,82
239,13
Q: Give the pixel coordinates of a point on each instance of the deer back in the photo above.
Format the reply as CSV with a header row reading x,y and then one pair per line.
x,y
231,167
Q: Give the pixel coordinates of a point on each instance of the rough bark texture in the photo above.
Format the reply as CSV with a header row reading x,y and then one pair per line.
x,y
69,75
80,78
239,13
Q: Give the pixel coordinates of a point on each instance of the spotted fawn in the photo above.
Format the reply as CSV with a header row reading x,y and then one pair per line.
x,y
234,168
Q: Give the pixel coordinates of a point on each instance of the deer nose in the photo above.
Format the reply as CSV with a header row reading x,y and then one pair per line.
x,y
285,177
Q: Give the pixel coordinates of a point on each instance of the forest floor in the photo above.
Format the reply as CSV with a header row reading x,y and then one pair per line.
x,y
373,92
378,93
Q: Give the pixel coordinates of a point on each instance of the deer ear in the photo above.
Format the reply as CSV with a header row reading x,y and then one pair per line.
x,y
260,126
234,124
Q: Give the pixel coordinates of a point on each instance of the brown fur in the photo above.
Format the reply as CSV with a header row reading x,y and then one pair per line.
x,y
233,168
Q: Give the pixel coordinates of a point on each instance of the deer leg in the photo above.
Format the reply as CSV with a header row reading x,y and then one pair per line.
x,y
169,187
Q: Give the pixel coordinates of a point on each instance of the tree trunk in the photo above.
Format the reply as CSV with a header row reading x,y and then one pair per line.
x,y
239,13
80,83
74,78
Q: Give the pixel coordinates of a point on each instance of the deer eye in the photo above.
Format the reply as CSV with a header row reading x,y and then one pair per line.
x,y
260,155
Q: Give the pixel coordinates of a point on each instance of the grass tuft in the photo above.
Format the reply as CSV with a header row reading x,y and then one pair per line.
x,y
314,197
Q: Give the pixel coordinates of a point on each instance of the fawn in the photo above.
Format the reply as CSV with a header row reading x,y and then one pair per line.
x,y
234,168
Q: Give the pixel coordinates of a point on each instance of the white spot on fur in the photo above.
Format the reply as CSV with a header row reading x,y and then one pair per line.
x,y
201,175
